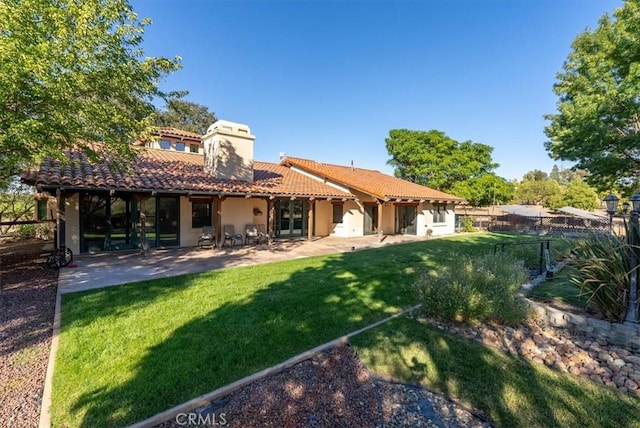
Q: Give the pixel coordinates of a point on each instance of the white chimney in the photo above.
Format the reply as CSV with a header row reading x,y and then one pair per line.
x,y
228,151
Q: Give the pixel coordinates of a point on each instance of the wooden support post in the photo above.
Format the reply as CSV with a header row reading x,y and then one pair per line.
x,y
217,219
380,216
60,219
310,220
271,220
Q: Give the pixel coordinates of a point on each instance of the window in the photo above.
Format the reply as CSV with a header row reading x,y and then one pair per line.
x,y
200,214
42,209
180,147
439,213
194,148
338,212
165,144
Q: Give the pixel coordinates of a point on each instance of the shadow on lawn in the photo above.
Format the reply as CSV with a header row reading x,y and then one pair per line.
x,y
310,307
343,293
507,390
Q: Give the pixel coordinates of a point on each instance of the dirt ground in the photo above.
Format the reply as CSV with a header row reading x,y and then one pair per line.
x,y
27,303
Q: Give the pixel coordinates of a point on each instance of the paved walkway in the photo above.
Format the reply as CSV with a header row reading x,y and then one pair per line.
x,y
106,269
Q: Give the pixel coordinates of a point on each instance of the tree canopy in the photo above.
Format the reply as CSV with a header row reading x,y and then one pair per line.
x,y
186,115
597,123
484,190
71,73
433,159
580,195
562,187
539,192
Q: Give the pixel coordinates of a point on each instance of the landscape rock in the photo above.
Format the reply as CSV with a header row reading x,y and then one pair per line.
x,y
562,349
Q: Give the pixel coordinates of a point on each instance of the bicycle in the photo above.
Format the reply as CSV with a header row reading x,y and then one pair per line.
x,y
59,257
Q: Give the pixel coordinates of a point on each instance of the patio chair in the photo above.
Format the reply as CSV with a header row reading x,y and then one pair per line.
x,y
251,233
263,236
207,238
230,235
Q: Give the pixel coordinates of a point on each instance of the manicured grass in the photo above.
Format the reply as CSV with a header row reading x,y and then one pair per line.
x,y
510,391
130,351
559,289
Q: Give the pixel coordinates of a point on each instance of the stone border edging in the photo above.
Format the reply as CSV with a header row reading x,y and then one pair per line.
x,y
227,389
45,405
619,334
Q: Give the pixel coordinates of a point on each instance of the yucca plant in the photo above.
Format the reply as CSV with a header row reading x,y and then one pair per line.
x,y
601,269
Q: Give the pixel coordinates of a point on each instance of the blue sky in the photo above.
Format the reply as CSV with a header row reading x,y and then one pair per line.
x,y
327,80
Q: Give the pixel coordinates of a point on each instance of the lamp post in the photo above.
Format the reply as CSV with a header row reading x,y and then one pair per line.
x,y
611,202
632,303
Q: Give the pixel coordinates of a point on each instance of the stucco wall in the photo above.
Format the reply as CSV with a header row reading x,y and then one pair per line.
x,y
239,212
388,218
72,223
323,214
446,228
188,235
236,211
352,221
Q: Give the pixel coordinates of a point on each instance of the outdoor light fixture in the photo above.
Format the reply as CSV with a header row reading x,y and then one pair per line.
x,y
611,202
625,207
635,202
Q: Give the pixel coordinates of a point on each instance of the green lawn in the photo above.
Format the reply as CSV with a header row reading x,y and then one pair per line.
x,y
511,391
130,351
559,289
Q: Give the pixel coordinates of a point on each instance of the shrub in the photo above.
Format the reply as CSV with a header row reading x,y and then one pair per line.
x,y
600,267
476,289
26,231
467,224
43,232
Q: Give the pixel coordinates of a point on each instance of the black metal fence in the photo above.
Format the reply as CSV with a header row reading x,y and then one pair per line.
x,y
538,225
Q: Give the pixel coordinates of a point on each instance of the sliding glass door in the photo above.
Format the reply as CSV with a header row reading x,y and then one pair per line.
x,y
291,218
406,219
112,222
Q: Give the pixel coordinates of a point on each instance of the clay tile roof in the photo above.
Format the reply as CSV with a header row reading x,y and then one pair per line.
x,y
369,181
170,171
174,132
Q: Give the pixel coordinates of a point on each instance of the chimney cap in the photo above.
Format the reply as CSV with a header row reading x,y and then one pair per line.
x,y
228,127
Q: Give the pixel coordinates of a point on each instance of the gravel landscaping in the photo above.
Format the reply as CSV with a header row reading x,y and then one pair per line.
x,y
27,303
332,389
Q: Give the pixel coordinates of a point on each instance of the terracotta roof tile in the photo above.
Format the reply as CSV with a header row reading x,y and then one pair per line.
x,y
163,170
369,181
169,131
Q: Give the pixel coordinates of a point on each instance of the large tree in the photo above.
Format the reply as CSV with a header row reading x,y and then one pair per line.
x,y
433,159
484,190
597,123
539,192
73,72
186,115
580,195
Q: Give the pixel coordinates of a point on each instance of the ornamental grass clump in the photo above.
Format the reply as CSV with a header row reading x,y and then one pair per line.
x,y
476,289
600,268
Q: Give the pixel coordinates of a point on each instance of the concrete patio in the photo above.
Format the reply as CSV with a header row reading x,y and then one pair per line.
x,y
107,269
